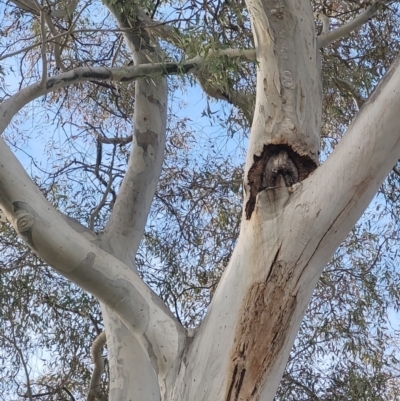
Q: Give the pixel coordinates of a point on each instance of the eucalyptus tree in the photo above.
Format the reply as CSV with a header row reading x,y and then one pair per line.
x,y
264,59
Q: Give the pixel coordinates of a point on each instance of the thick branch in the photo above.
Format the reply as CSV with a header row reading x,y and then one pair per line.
x,y
97,347
112,282
326,39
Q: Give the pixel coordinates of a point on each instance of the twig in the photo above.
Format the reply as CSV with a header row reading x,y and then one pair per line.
x,y
25,366
114,59
16,264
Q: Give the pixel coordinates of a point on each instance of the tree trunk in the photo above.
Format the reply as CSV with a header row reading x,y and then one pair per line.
x,y
294,217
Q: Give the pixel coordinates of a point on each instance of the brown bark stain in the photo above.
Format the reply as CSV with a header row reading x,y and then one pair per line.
x,y
257,179
261,333
146,138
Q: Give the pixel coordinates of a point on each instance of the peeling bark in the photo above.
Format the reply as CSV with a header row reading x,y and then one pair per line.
x,y
261,332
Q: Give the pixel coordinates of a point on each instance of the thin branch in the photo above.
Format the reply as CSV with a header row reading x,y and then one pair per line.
x,y
111,141
25,366
13,104
102,202
60,35
122,74
49,301
17,263
97,346
329,37
114,59
43,50
69,393
310,392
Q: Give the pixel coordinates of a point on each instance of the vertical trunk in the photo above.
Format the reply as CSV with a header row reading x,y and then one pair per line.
x,y
132,377
132,373
285,133
242,346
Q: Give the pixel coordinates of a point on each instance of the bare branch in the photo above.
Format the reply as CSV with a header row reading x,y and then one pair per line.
x,y
124,74
97,347
44,59
112,141
327,38
102,202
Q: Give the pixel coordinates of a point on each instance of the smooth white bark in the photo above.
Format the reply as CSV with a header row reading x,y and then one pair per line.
x,y
125,228
243,344
99,273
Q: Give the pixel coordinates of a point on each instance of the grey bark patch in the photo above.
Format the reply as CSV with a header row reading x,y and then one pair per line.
x,y
88,261
146,138
277,165
151,354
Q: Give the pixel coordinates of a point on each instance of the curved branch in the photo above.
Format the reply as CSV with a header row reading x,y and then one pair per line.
x,y
123,74
329,37
97,347
94,270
